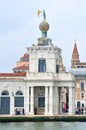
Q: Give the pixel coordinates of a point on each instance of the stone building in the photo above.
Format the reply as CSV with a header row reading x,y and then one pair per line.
x,y
22,65
40,89
79,70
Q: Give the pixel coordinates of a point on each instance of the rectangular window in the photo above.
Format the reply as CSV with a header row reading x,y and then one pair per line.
x,y
82,86
82,104
57,68
82,95
19,102
42,65
4,105
41,102
78,104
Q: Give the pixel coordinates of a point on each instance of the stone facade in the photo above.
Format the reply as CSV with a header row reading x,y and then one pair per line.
x,y
44,89
41,91
78,68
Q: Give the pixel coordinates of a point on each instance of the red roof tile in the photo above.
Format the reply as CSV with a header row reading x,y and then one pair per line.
x,y
21,74
75,54
25,56
21,68
75,50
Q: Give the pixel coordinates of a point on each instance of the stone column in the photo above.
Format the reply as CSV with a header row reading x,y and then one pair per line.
x,y
51,100
55,100
46,100
12,110
71,101
27,102
32,101
60,98
58,101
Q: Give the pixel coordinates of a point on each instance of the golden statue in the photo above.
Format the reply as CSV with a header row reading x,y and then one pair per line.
x,y
43,13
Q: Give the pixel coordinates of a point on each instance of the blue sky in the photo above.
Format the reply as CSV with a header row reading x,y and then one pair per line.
x,y
19,28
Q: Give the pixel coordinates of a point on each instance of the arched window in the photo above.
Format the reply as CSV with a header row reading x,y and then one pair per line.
x,y
42,65
5,93
78,104
19,93
41,100
19,99
82,86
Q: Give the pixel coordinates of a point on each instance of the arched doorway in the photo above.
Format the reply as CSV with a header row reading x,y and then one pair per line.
x,y
5,103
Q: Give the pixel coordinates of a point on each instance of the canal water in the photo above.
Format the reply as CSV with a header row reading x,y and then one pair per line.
x,y
43,126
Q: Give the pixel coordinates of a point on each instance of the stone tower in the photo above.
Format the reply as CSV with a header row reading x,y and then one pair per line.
x,y
75,56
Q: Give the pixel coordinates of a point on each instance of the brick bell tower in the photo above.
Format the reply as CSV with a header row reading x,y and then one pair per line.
x,y
75,56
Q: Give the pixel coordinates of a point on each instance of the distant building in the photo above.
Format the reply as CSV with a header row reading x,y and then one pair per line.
x,y
79,70
22,65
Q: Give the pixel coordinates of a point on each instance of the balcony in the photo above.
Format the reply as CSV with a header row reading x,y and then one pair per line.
x,y
50,76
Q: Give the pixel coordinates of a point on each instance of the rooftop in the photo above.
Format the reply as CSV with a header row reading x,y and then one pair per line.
x,y
21,74
21,68
78,71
